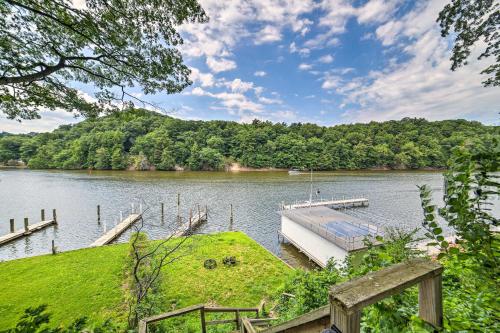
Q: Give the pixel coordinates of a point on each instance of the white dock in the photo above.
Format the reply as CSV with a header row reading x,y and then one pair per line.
x,y
25,231
342,203
112,234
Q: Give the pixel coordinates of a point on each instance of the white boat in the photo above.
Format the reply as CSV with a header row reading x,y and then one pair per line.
x,y
293,172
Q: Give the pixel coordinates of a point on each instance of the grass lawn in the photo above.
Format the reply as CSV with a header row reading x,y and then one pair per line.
x,y
89,282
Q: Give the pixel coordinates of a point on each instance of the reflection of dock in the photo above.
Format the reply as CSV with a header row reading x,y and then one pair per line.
x,y
342,203
109,236
28,229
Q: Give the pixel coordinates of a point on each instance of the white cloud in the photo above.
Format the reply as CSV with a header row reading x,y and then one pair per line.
x,y
303,52
260,73
205,79
331,82
50,121
424,85
326,59
220,64
268,34
237,85
305,67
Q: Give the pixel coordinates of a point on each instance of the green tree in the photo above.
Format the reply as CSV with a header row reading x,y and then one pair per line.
x,y
112,44
471,22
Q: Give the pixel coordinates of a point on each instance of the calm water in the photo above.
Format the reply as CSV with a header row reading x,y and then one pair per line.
x,y
255,196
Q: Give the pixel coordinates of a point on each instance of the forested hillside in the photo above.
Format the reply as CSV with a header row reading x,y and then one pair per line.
x,y
144,140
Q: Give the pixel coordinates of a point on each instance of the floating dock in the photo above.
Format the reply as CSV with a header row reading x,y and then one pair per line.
x,y
334,203
112,234
323,233
27,230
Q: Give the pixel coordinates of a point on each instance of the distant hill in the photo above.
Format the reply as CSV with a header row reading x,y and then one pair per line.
x,y
144,140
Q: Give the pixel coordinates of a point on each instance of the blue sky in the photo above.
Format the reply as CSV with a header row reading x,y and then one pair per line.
x,y
322,61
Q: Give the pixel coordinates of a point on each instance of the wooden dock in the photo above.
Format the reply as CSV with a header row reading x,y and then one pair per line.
x,y
342,203
112,234
191,223
27,230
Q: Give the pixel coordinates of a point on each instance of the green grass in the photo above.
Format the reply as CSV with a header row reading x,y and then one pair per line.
x,y
89,282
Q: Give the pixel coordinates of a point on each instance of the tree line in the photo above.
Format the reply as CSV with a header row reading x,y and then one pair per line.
x,y
144,140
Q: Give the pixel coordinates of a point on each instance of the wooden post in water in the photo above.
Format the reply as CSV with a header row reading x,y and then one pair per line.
x,y
206,213
231,218
98,214
199,213
42,215
12,225
54,215
26,224
178,207
162,213
190,217
54,251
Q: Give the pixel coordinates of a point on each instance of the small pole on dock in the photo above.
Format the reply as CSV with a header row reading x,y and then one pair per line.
x,y
12,225
42,215
178,207
54,215
140,209
231,217
132,204
54,251
26,229
121,216
206,213
199,213
98,214
162,213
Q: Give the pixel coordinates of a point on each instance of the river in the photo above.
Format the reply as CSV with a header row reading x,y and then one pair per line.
x,y
255,196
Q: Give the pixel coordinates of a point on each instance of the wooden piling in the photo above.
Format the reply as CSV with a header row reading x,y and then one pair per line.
x,y
199,212
162,213
178,207
190,218
231,218
42,215
98,214
26,229
54,216
54,251
12,225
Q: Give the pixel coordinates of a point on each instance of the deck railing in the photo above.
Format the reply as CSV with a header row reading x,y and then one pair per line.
x,y
143,324
348,299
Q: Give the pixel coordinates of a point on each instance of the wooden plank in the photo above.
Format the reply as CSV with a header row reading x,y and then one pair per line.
x,y
430,300
228,309
25,231
191,224
246,326
175,313
345,322
354,295
109,236
314,315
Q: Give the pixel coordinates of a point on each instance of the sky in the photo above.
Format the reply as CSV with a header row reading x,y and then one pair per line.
x,y
323,61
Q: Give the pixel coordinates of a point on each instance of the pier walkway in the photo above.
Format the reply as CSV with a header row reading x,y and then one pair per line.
x,y
112,234
341,203
27,230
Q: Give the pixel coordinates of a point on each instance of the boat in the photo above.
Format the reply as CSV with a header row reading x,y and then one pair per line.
x,y
294,172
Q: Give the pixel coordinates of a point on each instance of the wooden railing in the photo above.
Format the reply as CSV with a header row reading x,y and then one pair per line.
x,y
238,320
349,298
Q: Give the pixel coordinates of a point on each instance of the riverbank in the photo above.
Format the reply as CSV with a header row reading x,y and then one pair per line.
x,y
91,282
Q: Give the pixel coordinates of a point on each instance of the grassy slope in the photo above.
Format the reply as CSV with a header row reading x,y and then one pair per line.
x,y
89,281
